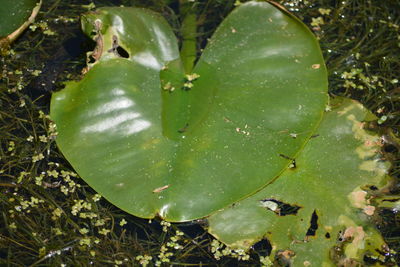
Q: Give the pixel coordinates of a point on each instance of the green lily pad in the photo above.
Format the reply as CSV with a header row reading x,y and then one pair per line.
x,y
13,13
155,141
327,195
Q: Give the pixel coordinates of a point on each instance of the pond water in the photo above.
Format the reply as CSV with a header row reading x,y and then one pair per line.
x,y
50,217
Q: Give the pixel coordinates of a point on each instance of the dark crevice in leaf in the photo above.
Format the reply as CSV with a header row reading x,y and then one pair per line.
x,y
373,188
122,52
91,59
384,261
327,235
313,224
279,207
292,165
340,237
117,49
390,149
370,260
388,255
391,200
285,157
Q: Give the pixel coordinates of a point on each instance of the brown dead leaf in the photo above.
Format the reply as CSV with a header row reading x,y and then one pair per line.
x,y
160,189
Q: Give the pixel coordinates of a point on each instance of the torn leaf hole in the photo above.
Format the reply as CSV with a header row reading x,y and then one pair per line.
x,y
122,52
369,188
313,224
292,165
373,188
391,200
118,50
370,260
280,208
327,235
387,256
340,237
91,59
263,247
390,149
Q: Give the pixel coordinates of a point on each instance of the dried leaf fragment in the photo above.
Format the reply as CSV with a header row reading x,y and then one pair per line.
x,y
160,189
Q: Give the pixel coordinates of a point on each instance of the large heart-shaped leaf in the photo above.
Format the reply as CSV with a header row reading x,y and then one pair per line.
x,y
329,193
153,140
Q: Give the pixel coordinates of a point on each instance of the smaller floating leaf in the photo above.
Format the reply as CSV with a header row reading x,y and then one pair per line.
x,y
327,194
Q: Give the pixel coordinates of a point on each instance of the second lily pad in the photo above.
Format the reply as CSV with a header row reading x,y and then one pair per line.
x,y
317,212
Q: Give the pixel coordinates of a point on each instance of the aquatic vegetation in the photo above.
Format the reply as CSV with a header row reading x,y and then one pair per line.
x,y
15,17
216,138
90,226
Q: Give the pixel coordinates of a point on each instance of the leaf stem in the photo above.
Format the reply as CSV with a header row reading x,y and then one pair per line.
x,y
189,31
5,42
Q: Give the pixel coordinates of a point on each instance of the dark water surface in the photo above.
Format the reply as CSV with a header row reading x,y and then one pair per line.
x,y
358,33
